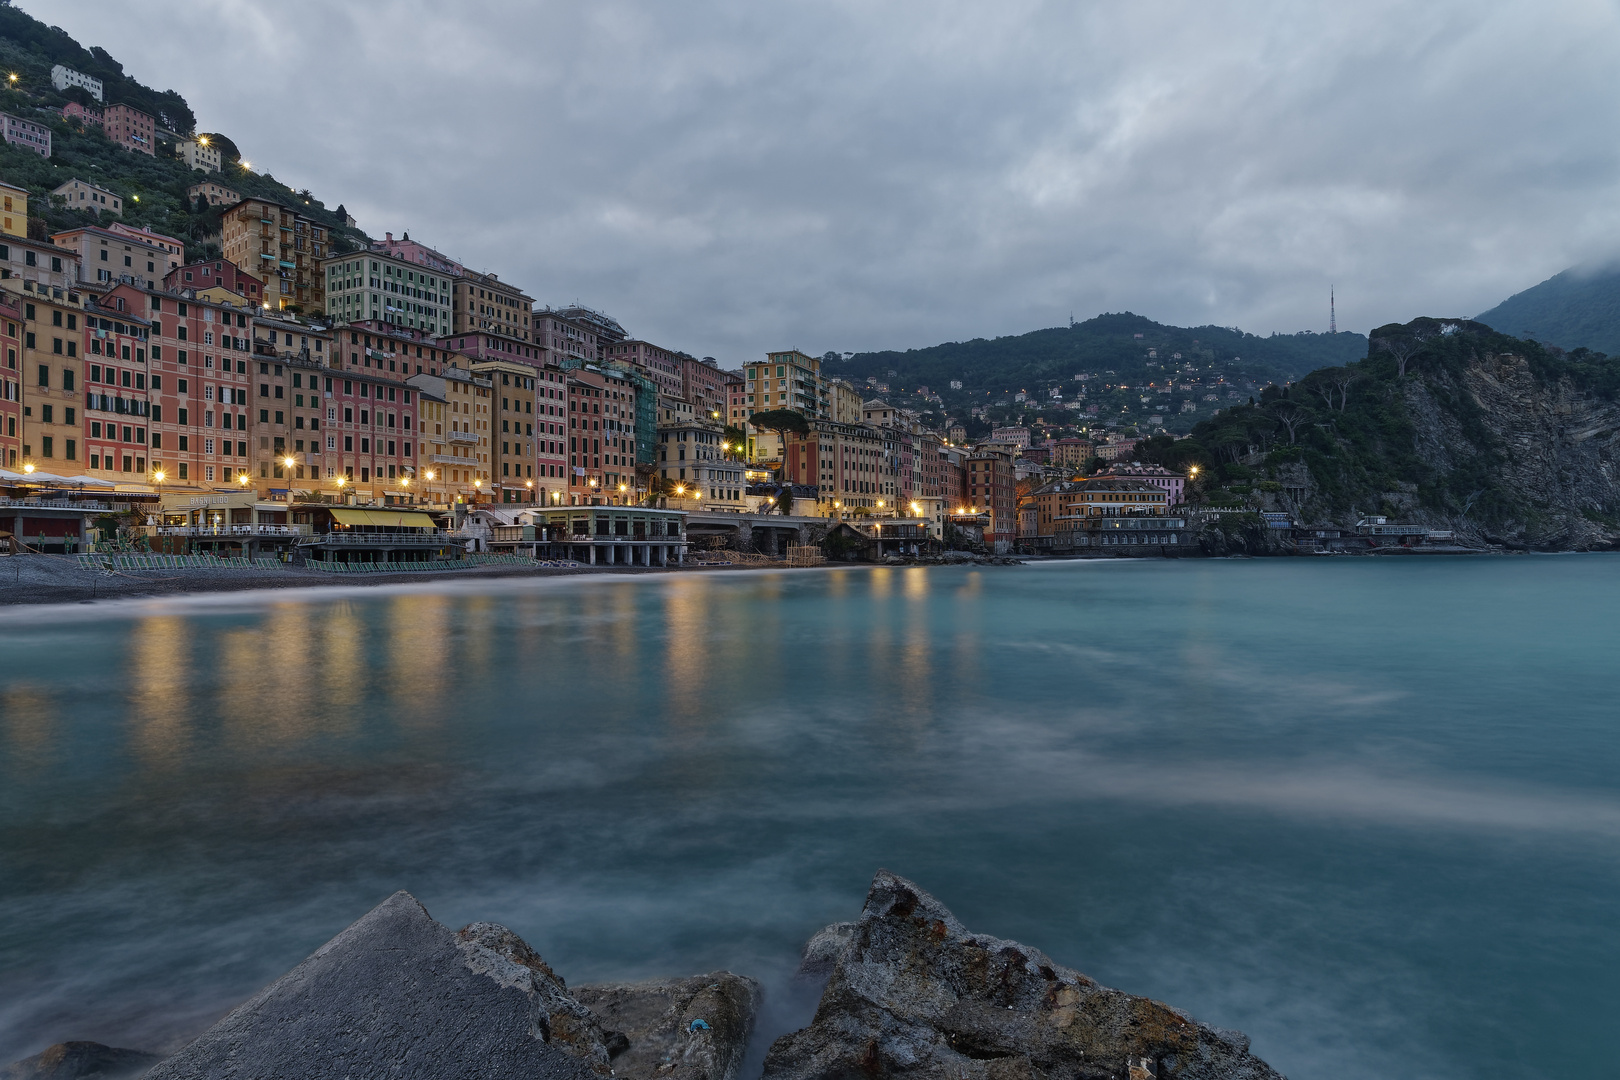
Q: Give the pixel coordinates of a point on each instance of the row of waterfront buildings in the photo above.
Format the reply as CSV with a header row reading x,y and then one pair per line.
x,y
397,376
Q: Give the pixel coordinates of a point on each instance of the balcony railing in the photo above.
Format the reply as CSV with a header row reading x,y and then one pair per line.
x,y
469,438
224,531
63,504
435,537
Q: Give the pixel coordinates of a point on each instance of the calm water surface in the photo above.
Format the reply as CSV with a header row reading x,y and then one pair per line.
x,y
1365,810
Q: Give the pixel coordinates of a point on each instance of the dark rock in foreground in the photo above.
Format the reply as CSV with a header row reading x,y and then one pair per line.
x,y
396,995
81,1061
913,993
680,1029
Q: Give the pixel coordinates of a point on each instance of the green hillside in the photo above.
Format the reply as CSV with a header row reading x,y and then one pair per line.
x,y
1579,308
1375,440
153,188
1115,352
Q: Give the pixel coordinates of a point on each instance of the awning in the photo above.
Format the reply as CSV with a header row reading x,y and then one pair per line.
x,y
383,519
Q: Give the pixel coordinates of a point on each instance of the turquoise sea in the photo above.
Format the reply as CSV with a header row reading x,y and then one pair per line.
x,y
1367,810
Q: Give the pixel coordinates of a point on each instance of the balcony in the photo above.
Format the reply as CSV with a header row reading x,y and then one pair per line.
x,y
227,532
63,504
425,538
464,438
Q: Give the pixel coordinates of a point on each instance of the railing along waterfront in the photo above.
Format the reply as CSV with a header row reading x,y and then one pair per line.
x,y
226,530
65,504
380,538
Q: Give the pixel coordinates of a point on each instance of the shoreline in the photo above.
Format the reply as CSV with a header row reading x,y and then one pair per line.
x,y
53,580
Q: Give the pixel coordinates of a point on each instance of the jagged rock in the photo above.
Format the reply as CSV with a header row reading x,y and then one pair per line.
x,y
821,952
678,1029
915,993
394,995
565,1023
81,1061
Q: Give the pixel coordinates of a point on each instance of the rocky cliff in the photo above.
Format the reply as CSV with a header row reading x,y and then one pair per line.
x,y
1446,423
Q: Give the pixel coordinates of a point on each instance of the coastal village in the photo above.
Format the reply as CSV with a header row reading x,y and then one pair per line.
x,y
299,400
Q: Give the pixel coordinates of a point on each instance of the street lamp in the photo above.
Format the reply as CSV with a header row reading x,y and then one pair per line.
x,y
28,467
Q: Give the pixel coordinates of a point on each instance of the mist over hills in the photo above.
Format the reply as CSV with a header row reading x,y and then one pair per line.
x,y
1579,308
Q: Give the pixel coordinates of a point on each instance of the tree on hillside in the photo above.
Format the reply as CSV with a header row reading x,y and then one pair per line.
x,y
1290,416
1403,350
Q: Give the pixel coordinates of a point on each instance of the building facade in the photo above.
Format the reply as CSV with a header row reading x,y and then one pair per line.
x,y
14,220
63,77
79,195
377,287
787,380
513,456
213,194
483,302
28,134
280,247
200,154
130,128
106,257
218,274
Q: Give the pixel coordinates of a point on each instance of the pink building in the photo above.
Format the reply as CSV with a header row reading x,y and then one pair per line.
x,y
86,115
26,134
1157,475
410,251
130,128
662,366
704,385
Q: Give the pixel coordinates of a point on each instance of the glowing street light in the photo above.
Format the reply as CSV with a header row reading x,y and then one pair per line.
x,y
242,478
28,466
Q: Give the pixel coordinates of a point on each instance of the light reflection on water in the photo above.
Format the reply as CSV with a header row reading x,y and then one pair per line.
x,y
1316,801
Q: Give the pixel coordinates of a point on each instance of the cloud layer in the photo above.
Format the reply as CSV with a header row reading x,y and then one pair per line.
x,y
729,177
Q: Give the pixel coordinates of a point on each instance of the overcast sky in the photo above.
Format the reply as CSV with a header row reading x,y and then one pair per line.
x,y
730,177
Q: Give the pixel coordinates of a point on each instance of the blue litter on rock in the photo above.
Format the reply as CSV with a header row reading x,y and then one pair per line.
x,y
699,1025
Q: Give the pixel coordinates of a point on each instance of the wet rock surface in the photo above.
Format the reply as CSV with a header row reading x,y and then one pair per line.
x,y
81,1061
913,992
680,1029
394,995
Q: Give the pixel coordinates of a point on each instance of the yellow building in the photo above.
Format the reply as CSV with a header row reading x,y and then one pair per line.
x,y
787,380
219,294
512,455
14,221
51,388
281,248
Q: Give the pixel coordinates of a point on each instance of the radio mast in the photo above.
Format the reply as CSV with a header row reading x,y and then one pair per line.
x,y
1333,316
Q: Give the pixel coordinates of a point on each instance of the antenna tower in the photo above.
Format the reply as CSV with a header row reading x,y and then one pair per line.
x,y
1333,315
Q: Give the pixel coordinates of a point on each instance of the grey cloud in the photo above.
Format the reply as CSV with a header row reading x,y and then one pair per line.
x,y
728,177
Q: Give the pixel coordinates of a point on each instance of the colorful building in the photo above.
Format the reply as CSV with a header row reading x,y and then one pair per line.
x,y
14,201
28,134
79,195
130,128
280,247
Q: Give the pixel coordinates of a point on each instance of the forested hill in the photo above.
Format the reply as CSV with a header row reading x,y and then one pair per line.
x,y
1122,345
1446,422
1579,308
29,48
154,187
